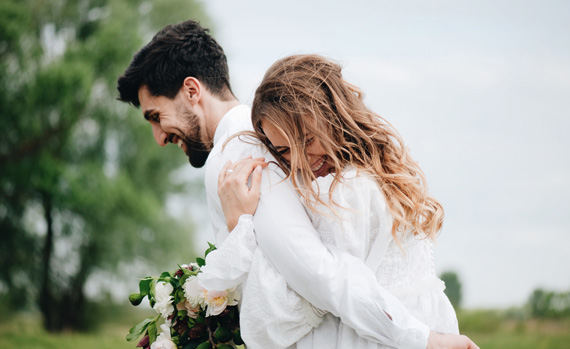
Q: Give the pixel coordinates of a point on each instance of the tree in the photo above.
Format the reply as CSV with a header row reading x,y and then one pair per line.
x,y
452,288
549,304
82,186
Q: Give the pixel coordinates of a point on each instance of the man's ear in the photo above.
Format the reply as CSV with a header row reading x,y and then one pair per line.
x,y
192,89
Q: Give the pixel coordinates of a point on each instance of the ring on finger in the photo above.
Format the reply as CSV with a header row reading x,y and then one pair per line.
x,y
229,171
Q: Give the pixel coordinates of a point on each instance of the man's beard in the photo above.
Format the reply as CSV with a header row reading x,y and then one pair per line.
x,y
196,150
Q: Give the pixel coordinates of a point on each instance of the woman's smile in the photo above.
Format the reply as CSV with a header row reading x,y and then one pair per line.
x,y
320,167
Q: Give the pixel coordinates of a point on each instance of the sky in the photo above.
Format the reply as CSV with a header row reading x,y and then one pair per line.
x,y
479,91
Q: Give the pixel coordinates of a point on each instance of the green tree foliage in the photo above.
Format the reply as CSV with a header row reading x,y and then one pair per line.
x,y
82,184
549,304
452,288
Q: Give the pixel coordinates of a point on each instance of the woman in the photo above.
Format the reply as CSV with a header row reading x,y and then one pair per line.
x,y
364,193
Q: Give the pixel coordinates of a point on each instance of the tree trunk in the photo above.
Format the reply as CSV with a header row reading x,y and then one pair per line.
x,y
46,298
74,311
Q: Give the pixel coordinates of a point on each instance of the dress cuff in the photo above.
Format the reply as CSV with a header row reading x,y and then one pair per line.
x,y
313,314
416,338
227,266
243,220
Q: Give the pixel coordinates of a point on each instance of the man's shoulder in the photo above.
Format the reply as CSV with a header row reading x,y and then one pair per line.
x,y
235,148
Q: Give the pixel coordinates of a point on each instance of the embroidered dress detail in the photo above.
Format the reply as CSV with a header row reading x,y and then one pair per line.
x,y
362,221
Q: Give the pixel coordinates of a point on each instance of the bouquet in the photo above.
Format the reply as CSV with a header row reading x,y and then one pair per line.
x,y
194,318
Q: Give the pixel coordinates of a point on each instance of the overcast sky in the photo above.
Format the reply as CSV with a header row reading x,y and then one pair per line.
x,y
479,90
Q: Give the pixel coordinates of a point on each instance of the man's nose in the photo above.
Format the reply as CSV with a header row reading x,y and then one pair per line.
x,y
160,136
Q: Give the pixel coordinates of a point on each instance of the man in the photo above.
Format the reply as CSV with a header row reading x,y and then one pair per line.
x,y
181,82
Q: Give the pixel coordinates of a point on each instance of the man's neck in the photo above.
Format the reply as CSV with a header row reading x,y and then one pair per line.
x,y
215,111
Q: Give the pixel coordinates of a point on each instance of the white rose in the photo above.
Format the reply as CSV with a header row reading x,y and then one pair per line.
x,y
163,341
163,298
191,311
193,292
217,301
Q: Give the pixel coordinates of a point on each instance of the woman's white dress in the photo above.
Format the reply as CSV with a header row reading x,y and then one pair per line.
x,y
274,316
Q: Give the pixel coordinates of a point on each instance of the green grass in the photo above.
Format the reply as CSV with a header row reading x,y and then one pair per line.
x,y
490,329
24,331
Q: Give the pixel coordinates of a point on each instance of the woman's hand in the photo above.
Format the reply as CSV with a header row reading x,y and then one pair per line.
x,y
449,341
236,197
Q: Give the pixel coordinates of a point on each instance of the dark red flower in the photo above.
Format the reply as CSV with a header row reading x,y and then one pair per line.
x,y
143,343
197,331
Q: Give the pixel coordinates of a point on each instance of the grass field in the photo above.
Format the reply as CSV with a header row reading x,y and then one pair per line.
x,y
492,329
24,331
488,328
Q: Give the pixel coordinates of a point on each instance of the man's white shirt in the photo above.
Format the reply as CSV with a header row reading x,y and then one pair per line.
x,y
330,279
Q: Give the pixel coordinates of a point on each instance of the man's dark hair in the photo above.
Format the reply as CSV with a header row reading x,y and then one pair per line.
x,y
174,53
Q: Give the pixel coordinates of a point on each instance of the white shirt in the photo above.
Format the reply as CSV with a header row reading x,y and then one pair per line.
x,y
328,278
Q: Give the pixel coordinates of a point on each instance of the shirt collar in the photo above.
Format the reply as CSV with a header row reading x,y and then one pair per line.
x,y
236,119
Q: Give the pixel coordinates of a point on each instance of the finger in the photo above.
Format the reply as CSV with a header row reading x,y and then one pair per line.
x,y
224,172
247,160
245,167
242,172
468,343
256,181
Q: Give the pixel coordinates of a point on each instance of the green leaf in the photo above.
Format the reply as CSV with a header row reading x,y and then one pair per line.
x,y
137,330
183,279
152,293
188,272
201,262
152,332
200,319
223,334
237,337
205,345
144,286
233,311
180,294
135,298
210,249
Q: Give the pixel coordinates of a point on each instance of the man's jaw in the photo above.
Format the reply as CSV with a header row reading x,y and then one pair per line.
x,y
197,152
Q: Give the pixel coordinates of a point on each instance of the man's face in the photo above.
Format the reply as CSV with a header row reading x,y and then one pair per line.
x,y
174,121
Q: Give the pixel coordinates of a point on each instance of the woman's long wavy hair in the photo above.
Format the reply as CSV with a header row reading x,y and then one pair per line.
x,y
305,96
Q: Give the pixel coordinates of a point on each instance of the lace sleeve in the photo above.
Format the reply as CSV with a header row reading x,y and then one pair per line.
x,y
272,315
227,266
359,221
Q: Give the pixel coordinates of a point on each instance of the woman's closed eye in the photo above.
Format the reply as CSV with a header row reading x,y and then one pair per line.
x,y
282,150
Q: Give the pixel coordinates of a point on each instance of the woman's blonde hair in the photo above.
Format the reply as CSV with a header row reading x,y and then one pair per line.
x,y
305,96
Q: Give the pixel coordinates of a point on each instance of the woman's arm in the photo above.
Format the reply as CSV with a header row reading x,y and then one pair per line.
x,y
329,278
